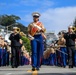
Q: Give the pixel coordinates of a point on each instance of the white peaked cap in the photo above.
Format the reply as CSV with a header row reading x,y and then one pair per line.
x,y
15,27
70,27
35,14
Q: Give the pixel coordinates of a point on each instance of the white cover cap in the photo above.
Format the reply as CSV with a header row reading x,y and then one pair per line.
x,y
36,14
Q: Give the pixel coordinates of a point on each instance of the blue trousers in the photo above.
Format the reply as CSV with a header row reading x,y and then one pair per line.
x,y
36,47
0,56
63,56
58,58
7,58
75,58
46,61
52,59
3,62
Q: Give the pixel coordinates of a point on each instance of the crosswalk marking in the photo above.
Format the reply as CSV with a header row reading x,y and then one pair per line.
x,y
33,72
29,70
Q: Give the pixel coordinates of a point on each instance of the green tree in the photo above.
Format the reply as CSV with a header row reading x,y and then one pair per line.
x,y
26,43
7,20
74,23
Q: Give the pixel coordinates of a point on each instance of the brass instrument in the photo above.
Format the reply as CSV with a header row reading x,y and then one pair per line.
x,y
74,29
44,30
18,30
21,33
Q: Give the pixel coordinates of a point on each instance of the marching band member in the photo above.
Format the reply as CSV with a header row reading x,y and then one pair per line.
x,y
58,54
70,37
3,60
63,50
3,52
15,47
36,35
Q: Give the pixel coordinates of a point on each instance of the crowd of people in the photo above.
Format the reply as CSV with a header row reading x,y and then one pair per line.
x,y
57,56
62,53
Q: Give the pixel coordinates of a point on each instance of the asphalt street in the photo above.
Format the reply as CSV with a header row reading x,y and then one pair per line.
x,y
44,70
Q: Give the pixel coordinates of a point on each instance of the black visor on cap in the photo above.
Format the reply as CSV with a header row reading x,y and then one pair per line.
x,y
36,16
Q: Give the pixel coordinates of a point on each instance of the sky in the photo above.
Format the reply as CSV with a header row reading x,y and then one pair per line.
x,y
56,15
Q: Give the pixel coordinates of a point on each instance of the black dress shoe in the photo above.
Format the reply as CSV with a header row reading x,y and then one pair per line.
x,y
16,66
33,69
64,66
70,66
13,66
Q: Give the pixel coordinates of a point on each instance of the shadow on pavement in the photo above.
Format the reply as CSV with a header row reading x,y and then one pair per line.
x,y
57,74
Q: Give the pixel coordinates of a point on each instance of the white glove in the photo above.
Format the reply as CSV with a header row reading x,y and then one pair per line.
x,y
31,37
37,26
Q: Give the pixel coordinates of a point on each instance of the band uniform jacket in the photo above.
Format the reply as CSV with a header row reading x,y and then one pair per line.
x,y
70,39
32,30
15,39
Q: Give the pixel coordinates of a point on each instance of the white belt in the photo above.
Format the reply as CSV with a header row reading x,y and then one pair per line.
x,y
37,33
